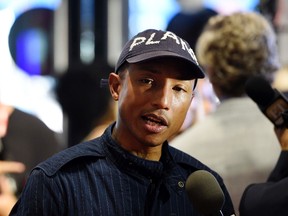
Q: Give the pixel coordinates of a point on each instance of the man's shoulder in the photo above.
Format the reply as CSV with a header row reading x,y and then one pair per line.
x,y
93,148
187,161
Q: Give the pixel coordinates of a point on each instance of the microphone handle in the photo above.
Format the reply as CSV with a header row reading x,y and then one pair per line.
x,y
285,118
274,111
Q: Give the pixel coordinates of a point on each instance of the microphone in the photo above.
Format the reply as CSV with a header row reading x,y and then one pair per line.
x,y
205,193
271,102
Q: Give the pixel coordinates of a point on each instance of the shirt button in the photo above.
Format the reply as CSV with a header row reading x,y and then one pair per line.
x,y
181,184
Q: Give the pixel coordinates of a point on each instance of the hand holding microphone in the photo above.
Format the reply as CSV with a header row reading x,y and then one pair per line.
x,y
271,102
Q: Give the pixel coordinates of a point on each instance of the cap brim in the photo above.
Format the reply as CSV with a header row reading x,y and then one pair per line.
x,y
196,72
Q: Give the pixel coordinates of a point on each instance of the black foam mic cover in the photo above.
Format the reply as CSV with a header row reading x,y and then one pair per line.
x,y
205,193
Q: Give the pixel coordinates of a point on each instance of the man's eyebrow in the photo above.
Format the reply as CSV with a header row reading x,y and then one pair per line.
x,y
148,68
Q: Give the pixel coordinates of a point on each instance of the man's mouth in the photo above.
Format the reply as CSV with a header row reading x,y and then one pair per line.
x,y
153,119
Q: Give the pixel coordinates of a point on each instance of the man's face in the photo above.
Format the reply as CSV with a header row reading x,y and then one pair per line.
x,y
153,99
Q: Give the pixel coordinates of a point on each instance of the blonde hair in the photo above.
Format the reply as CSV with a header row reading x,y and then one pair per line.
x,y
236,47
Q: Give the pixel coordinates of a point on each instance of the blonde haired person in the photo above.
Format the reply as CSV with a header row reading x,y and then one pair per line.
x,y
236,140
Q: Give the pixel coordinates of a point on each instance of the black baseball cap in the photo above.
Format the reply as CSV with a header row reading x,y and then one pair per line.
x,y
152,44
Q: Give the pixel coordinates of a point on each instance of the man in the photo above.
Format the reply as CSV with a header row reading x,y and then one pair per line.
x,y
7,195
89,108
234,139
189,22
270,198
26,139
130,169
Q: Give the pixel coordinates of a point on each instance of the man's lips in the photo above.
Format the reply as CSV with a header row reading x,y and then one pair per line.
x,y
155,119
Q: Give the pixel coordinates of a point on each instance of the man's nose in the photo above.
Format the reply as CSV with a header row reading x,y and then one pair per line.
x,y
162,97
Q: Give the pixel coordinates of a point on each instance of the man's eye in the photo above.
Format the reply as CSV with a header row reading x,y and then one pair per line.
x,y
178,88
146,81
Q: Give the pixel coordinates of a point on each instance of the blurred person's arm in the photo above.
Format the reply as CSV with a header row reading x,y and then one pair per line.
x,y
281,169
7,196
11,167
270,198
282,135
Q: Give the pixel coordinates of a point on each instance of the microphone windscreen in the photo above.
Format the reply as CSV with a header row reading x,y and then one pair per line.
x,y
260,91
205,192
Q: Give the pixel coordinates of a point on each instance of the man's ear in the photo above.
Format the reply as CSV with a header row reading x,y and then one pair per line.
x,y
114,85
